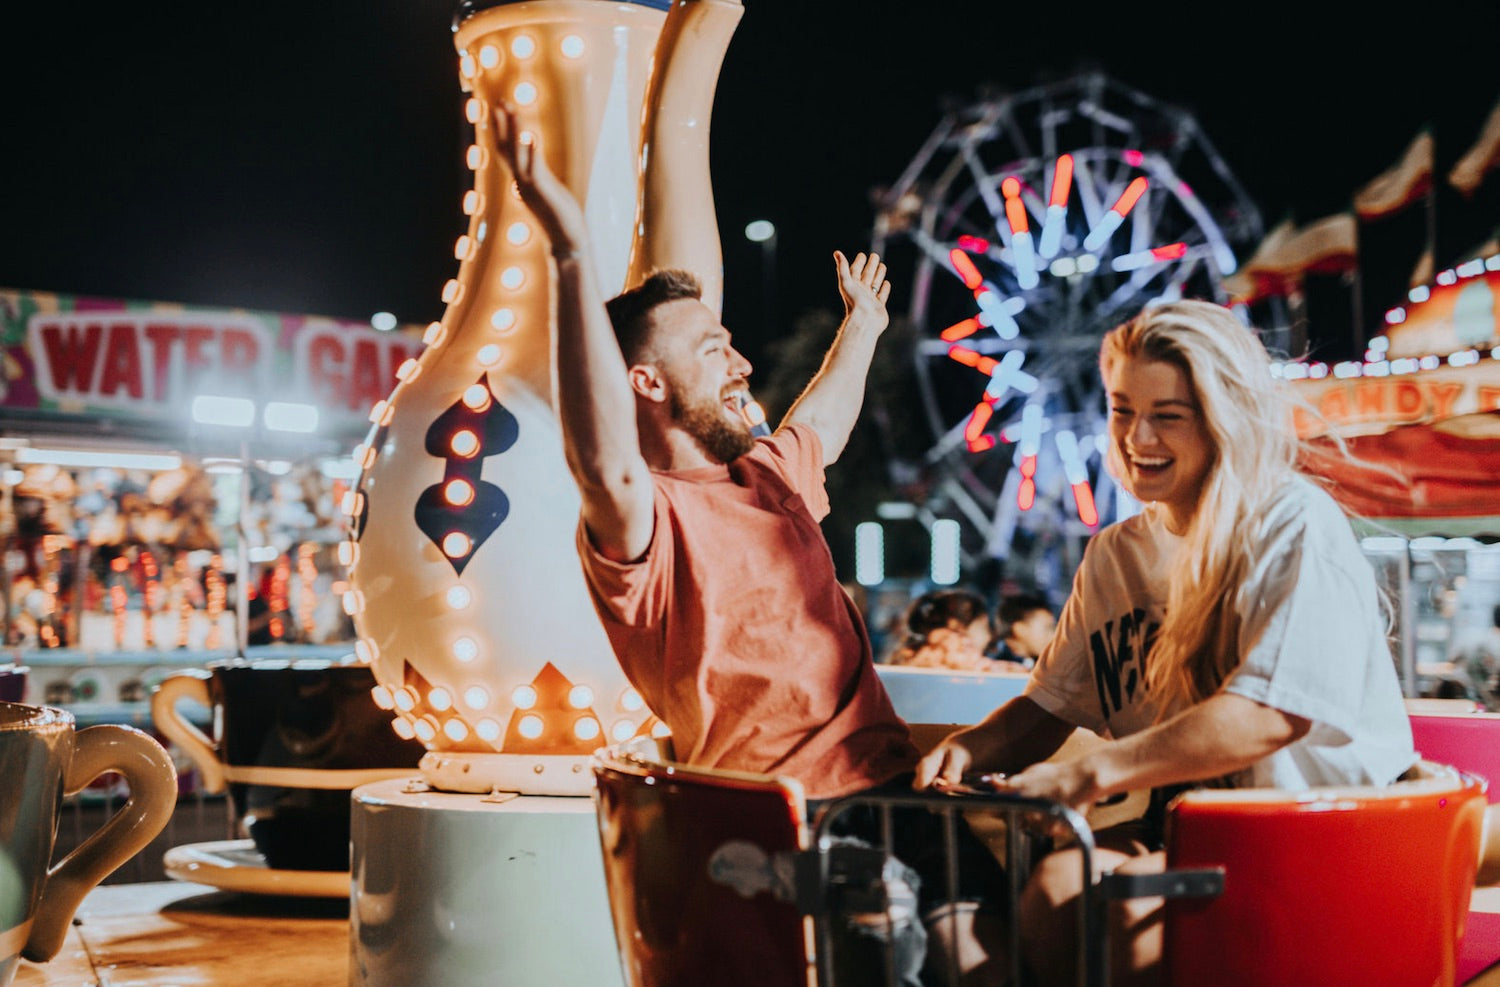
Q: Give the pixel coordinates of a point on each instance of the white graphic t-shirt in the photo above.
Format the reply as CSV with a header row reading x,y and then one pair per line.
x,y
1312,642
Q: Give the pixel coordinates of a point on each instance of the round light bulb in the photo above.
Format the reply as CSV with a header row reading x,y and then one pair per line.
x,y
459,493
473,110
571,46
382,696
504,320
488,730
440,699
365,651
452,291
456,729
488,355
525,94
459,597
464,649
523,697
512,278
631,700
580,697
426,730
405,699
477,397
622,730
475,157
530,727
473,202
403,729
586,728
489,56
348,553
518,233
456,544
522,46
464,443
476,697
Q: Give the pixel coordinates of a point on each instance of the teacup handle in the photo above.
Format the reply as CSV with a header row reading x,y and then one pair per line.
x,y
192,684
152,779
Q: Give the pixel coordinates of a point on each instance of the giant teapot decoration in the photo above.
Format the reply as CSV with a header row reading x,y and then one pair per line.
x,y
466,589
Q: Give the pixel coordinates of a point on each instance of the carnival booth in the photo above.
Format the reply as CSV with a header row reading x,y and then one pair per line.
x,y
171,486
1420,420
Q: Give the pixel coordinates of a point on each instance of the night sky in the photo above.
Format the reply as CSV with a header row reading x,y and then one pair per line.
x,y
308,157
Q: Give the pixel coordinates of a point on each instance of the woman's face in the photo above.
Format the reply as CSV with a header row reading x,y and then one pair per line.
x,y
1158,431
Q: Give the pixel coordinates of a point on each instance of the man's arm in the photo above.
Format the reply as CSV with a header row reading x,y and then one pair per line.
x,y
596,405
830,404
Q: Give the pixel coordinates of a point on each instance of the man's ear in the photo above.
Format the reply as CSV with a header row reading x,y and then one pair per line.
x,y
647,381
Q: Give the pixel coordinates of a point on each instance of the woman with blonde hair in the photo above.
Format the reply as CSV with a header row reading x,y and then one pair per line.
x,y
1230,634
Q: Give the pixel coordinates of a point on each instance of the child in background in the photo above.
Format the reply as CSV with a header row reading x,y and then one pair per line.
x,y
948,629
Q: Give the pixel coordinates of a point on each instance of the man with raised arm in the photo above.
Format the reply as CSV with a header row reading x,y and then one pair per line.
x,y
700,543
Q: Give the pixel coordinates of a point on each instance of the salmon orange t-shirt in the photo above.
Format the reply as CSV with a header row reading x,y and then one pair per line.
x,y
735,630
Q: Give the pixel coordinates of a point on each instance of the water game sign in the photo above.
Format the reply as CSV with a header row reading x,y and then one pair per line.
x,y
140,360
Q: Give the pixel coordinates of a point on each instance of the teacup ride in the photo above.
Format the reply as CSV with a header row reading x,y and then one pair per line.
x,y
717,876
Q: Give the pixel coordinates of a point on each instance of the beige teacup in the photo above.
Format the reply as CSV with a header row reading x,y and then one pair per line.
x,y
42,758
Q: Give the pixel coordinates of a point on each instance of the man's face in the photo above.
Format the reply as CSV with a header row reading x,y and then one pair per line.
x,y
705,377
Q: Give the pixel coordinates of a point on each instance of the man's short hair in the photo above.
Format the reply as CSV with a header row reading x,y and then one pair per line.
x,y
630,311
1014,609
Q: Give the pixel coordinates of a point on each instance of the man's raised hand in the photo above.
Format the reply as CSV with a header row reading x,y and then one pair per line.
x,y
555,208
864,287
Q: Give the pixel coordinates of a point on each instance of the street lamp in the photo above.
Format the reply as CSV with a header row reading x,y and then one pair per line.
x,y
763,232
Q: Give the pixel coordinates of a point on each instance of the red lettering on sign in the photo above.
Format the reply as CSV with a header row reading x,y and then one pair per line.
x,y
194,360
1444,393
325,357
72,359
122,363
238,350
1369,398
161,338
366,383
1335,405
1408,400
1489,397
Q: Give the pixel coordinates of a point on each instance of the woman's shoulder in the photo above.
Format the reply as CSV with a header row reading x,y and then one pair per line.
x,y
1300,505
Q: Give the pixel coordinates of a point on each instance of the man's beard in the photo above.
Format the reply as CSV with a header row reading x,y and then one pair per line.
x,y
722,439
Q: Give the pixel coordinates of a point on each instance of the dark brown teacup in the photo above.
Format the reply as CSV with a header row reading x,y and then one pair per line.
x,y
43,758
290,740
13,683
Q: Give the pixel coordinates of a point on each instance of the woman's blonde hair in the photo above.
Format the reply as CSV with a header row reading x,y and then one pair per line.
x,y
1248,416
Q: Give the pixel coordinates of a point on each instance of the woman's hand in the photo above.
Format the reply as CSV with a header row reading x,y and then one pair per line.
x,y
1069,782
555,208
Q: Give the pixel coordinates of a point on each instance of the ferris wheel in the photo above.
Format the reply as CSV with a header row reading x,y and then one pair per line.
x,y
1033,223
